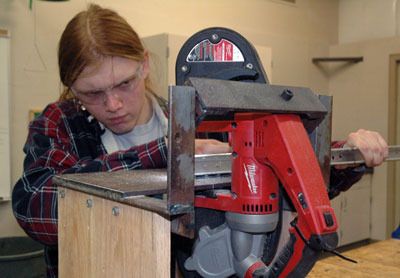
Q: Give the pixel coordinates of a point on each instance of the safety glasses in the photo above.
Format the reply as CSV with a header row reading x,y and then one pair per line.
x,y
123,88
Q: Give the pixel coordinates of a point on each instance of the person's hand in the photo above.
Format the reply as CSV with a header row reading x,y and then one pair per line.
x,y
211,146
371,145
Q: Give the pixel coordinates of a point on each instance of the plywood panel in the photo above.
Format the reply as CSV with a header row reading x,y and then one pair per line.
x,y
102,238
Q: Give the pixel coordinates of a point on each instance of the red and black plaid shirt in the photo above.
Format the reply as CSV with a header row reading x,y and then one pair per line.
x,y
65,139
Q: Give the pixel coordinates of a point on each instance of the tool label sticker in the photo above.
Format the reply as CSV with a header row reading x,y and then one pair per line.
x,y
223,51
249,172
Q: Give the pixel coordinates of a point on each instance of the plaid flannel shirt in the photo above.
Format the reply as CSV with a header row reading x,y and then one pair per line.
x,y
342,180
65,139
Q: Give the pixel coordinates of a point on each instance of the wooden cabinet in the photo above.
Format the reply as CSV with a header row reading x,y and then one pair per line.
x,y
99,237
353,212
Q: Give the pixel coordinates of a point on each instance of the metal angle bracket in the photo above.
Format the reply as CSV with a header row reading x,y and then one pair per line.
x,y
180,176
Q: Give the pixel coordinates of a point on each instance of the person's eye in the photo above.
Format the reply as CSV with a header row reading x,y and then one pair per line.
x,y
127,84
94,94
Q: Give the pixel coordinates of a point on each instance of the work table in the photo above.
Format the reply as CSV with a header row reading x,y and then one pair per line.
x,y
379,259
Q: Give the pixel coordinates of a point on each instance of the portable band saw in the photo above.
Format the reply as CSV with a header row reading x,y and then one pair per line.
x,y
273,162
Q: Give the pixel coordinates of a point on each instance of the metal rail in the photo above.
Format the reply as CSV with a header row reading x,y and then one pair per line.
x,y
213,164
349,156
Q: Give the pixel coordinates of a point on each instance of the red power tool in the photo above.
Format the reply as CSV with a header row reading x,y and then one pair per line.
x,y
273,165
268,149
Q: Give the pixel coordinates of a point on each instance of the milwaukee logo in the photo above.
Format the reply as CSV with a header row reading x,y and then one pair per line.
x,y
249,172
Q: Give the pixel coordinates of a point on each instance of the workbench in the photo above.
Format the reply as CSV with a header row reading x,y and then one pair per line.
x,y
379,259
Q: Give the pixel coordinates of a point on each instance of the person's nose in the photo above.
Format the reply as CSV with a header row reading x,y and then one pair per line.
x,y
112,101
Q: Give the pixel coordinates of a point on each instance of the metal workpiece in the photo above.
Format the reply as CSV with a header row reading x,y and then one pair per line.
x,y
206,164
349,156
181,139
210,181
117,185
127,187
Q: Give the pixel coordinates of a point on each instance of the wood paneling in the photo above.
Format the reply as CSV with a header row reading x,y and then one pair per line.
x,y
103,238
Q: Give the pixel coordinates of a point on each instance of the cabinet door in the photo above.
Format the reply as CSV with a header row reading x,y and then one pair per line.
x,y
355,218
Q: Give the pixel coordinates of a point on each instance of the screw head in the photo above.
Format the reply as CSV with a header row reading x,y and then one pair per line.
x,y
214,37
249,66
115,211
89,203
184,68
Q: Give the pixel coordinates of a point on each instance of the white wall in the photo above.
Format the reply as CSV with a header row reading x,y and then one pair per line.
x,y
295,32
361,20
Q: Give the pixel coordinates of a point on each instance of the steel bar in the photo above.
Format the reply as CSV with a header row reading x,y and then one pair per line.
x,y
211,164
349,156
